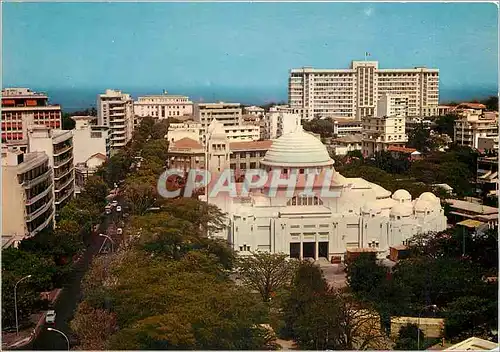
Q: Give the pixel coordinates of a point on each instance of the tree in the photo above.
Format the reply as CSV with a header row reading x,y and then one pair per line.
x,y
445,124
266,272
140,193
408,337
364,275
93,326
491,103
420,139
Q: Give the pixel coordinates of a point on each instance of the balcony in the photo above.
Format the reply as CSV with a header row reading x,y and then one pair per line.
x,y
64,196
60,186
61,150
118,138
61,174
37,180
39,196
32,216
43,225
58,164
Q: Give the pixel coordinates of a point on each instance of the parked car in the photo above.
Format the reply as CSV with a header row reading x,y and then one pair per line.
x,y
114,203
107,210
50,317
118,208
119,231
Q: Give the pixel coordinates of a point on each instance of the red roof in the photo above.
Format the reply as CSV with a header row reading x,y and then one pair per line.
x,y
186,143
254,145
472,106
401,149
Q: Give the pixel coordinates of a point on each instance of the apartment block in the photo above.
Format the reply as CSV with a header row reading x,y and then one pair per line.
x,y
253,110
396,105
380,133
163,106
346,127
354,92
116,110
58,145
89,139
279,121
22,108
477,132
27,194
247,155
188,129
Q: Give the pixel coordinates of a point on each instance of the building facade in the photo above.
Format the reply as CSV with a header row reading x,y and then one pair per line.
x,y
163,106
279,121
116,110
474,131
354,92
396,105
22,108
348,143
380,133
58,145
345,127
89,139
305,222
27,194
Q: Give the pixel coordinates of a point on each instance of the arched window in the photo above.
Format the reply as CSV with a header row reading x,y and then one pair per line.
x,y
305,200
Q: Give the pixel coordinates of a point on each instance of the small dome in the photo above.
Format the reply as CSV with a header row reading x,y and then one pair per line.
x,y
422,205
402,210
430,197
371,208
297,149
401,195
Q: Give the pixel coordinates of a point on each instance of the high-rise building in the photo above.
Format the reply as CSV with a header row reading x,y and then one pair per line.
x,y
354,92
58,146
279,121
116,110
22,108
27,194
162,106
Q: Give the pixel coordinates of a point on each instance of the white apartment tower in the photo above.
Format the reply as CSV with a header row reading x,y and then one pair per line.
x,y
27,194
279,121
116,110
354,92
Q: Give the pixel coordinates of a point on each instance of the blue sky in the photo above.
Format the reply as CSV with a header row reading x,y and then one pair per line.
x,y
210,46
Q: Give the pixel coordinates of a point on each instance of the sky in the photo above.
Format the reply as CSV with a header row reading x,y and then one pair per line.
x,y
240,49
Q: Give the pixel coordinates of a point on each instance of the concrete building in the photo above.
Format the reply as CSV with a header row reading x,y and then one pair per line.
x,y
476,131
463,210
27,194
345,144
188,129
311,224
253,110
380,133
186,154
444,110
487,176
22,108
163,106
247,155
279,121
89,139
393,105
58,145
116,110
345,127
354,92
87,168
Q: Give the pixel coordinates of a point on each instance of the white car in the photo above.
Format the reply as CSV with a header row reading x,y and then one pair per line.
x,y
50,317
118,208
119,231
107,209
114,203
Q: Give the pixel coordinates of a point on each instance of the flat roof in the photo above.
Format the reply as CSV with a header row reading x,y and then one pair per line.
x,y
470,223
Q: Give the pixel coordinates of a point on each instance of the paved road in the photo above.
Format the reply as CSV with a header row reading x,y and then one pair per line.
x,y
69,298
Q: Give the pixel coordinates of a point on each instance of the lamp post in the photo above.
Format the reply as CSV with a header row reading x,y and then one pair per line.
x,y
15,301
62,333
434,307
109,238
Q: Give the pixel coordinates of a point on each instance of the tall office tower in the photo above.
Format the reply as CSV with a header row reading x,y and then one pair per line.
x,y
22,108
116,110
354,92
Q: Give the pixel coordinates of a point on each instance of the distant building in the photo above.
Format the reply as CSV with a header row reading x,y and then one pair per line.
x,y
27,195
444,110
380,133
87,168
477,131
279,121
116,110
345,127
349,143
463,210
58,145
188,129
22,108
253,110
487,176
89,139
355,92
163,106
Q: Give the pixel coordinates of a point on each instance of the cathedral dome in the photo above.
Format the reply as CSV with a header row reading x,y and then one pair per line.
x,y
297,149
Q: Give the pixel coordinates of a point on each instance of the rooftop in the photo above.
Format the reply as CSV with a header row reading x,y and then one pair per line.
x,y
401,149
472,207
186,143
254,145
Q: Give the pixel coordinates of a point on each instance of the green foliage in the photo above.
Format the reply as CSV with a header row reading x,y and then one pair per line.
x,y
364,275
445,124
408,338
420,139
491,103
323,127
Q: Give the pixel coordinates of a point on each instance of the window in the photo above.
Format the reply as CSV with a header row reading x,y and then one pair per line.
x,y
307,200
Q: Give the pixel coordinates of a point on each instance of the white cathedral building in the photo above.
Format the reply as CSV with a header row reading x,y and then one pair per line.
x,y
360,214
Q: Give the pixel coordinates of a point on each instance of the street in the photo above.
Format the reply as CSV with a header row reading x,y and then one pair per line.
x,y
69,298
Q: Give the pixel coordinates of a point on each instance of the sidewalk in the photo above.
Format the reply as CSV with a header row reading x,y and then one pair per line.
x,y
11,340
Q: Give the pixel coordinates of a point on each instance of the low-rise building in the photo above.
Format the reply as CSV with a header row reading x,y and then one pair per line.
x,y
89,139
254,110
380,133
163,106
344,127
247,155
58,145
22,108
462,210
469,130
186,154
348,143
85,169
487,176
27,195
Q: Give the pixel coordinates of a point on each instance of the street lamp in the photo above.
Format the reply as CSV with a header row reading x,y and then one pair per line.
x,y
15,301
109,238
60,332
434,307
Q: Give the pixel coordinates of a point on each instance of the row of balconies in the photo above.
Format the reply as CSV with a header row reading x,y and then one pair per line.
x,y
35,214
43,225
33,199
37,180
